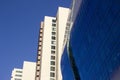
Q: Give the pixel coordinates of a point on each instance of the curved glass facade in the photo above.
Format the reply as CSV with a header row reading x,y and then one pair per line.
x,y
94,42
66,67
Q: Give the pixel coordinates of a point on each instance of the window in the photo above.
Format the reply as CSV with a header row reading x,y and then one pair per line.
x,y
52,57
53,25
53,29
19,71
52,47
53,37
52,79
18,75
52,52
53,33
52,74
52,62
53,42
53,20
52,68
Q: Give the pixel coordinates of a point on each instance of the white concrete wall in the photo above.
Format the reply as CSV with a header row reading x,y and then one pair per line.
x,y
29,70
46,49
62,17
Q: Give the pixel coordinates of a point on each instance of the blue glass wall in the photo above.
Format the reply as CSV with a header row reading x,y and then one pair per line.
x,y
95,41
66,67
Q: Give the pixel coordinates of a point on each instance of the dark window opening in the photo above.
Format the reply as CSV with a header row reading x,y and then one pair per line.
x,y
52,57
53,37
53,20
52,63
52,74
52,47
54,25
52,68
53,33
53,52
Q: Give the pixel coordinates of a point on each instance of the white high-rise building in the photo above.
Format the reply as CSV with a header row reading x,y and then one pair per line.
x,y
27,73
50,46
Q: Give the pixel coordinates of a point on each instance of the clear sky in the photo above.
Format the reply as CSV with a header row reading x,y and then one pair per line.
x,y
19,30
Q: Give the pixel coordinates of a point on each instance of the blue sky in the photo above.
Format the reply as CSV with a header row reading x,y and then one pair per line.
x,y
19,29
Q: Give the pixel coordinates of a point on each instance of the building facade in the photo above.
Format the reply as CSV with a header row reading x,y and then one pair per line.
x,y
16,74
50,46
93,48
29,70
26,73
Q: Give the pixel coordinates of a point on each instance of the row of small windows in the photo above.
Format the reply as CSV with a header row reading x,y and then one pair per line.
x,y
39,54
53,25
53,47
